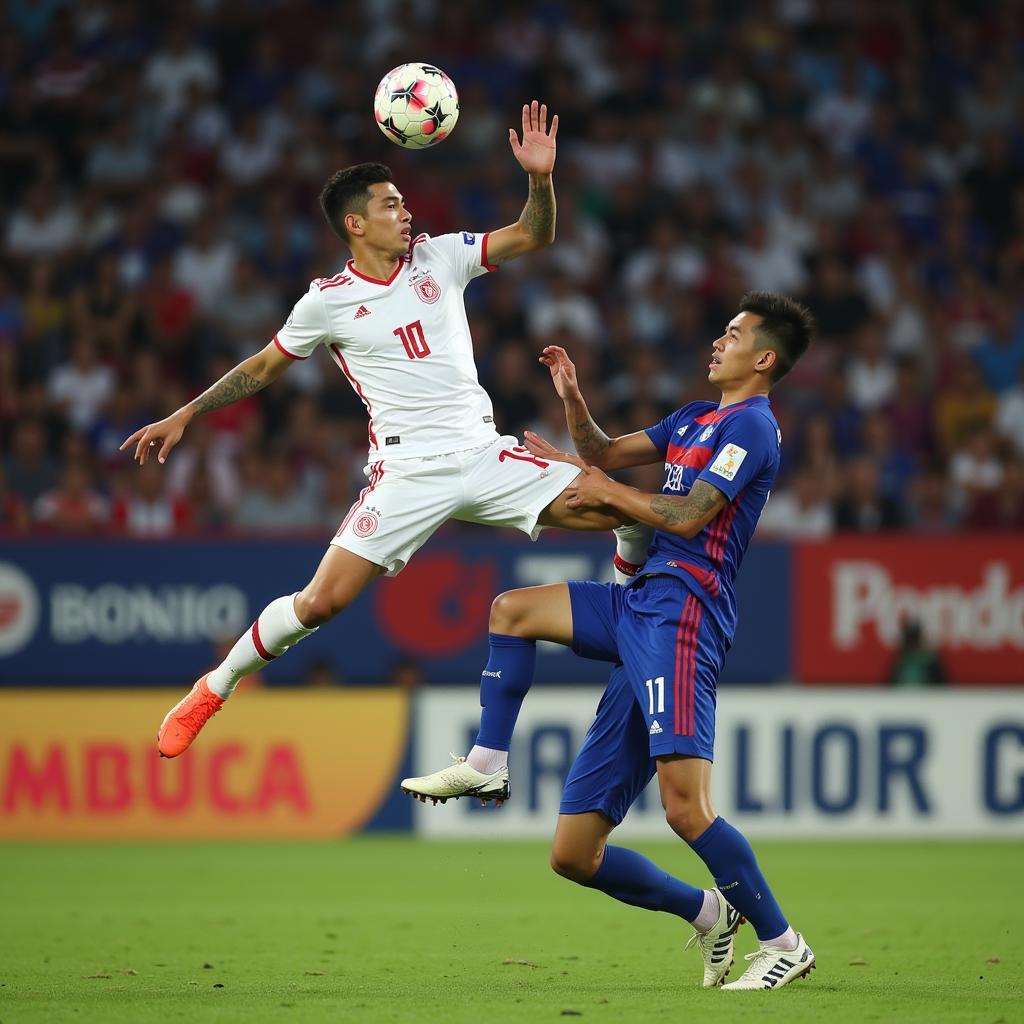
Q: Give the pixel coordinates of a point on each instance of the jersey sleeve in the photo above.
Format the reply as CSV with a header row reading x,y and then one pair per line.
x,y
748,444
466,253
306,326
661,434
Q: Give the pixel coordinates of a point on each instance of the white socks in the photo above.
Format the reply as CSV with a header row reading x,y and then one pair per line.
x,y
273,632
631,544
709,912
486,760
786,941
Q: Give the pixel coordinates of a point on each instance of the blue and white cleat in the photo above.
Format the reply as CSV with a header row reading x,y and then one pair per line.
x,y
716,944
772,968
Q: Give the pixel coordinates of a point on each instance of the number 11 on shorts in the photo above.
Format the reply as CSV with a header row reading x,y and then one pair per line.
x,y
659,685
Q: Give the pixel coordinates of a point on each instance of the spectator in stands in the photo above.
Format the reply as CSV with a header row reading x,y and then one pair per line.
x,y
81,387
102,309
930,506
270,501
14,517
1001,508
861,507
29,470
801,511
1000,351
871,373
148,510
1009,416
41,227
74,506
964,408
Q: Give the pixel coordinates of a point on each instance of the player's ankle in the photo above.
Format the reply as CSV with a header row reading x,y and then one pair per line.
x,y
487,760
709,912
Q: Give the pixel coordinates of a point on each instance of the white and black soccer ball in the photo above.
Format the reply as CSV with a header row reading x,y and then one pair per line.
x,y
416,105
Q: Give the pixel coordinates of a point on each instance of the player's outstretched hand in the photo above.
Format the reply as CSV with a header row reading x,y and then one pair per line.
x,y
563,371
544,449
167,433
591,489
536,153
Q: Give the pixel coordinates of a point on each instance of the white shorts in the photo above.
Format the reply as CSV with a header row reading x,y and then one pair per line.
x,y
496,484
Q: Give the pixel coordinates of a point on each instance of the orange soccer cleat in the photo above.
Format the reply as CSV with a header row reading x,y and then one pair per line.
x,y
182,723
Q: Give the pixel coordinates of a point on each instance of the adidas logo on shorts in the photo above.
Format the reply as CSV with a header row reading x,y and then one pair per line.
x,y
656,729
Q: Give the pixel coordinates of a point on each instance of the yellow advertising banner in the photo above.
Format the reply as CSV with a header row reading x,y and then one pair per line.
x,y
83,764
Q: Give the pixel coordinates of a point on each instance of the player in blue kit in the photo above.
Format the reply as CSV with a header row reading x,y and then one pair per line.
x,y
668,632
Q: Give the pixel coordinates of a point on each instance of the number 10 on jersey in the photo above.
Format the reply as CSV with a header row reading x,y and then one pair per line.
x,y
413,339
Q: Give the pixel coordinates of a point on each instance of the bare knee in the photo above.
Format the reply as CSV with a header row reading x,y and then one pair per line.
x,y
575,864
319,604
508,613
689,817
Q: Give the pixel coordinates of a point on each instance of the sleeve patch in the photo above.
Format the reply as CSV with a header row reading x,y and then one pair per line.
x,y
728,462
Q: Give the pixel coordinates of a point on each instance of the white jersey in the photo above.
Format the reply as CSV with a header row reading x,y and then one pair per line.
x,y
404,345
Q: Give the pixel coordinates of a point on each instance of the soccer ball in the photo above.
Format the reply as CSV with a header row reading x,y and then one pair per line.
x,y
416,105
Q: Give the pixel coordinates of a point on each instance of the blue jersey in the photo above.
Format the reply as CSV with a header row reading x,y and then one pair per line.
x,y
735,449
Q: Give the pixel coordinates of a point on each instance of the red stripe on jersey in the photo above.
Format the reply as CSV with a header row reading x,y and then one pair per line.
x,y
258,643
696,456
483,254
708,580
724,529
284,351
719,414
677,688
691,667
336,349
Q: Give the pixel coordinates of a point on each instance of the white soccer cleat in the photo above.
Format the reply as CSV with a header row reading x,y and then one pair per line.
x,y
773,968
459,779
716,944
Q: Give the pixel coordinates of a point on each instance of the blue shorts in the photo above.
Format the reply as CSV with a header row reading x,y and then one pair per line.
x,y
661,697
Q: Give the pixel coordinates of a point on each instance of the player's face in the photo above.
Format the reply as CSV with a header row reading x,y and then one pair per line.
x,y
387,225
734,354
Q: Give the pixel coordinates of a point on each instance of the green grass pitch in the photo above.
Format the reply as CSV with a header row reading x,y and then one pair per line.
x,y
395,929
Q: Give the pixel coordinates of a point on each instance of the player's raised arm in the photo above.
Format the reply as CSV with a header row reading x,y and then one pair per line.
x,y
248,377
682,514
592,443
535,228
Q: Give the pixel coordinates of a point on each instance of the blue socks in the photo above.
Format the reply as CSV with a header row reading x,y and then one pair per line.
x,y
631,878
733,865
503,687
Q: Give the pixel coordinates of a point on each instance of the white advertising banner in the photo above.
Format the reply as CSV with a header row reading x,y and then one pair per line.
x,y
789,763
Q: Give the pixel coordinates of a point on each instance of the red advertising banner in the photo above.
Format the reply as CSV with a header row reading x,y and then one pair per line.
x,y
853,596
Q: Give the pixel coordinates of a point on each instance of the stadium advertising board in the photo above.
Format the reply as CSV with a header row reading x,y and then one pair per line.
x,y
76,765
853,595
76,613
790,763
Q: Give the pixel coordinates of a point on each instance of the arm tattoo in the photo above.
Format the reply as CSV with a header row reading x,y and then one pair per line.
x,y
232,387
538,216
702,499
590,440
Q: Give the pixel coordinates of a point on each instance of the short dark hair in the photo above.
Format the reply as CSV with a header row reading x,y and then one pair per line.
x,y
348,190
786,327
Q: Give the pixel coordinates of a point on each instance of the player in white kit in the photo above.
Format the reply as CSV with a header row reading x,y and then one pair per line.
x,y
393,321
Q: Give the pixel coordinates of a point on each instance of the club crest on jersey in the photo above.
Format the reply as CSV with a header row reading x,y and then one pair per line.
x,y
427,288
707,433
366,522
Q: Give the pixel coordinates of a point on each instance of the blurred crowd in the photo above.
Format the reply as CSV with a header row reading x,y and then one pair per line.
x,y
159,173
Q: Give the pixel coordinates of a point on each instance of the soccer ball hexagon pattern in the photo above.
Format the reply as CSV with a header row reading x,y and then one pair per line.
x,y
416,105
